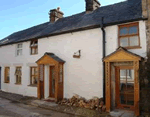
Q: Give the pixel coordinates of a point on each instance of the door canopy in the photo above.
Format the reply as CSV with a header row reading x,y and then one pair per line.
x,y
49,58
122,54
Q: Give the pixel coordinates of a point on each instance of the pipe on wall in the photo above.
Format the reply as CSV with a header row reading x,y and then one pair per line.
x,y
104,54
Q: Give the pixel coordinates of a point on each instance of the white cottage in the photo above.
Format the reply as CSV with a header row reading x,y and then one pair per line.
x,y
79,54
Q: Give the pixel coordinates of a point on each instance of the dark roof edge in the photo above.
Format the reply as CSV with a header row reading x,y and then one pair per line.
x,y
79,29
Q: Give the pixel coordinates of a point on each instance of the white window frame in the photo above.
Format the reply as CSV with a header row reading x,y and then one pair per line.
x,y
19,49
34,46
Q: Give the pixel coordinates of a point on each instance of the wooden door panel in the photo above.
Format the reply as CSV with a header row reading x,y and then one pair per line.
x,y
117,85
52,81
42,89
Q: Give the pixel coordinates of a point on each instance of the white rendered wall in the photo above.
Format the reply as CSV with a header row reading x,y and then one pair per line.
x,y
81,76
112,40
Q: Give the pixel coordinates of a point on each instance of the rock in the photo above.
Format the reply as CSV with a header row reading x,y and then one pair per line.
x,y
95,103
76,96
87,106
101,103
104,109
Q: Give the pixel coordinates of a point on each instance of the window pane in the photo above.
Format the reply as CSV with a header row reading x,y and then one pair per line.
x,y
134,41
19,79
36,71
122,74
36,50
34,80
123,31
32,71
129,74
7,74
19,46
36,42
124,42
19,52
32,50
133,30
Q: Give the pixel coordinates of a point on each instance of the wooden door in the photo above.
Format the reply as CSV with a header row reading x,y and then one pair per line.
x,y
125,88
42,89
52,82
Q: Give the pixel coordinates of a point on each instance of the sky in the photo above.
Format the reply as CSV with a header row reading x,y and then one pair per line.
x,y
16,15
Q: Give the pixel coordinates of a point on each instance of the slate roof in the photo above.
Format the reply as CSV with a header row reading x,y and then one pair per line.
x,y
52,55
113,14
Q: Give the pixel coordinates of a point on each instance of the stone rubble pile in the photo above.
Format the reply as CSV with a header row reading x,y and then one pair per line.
x,y
77,101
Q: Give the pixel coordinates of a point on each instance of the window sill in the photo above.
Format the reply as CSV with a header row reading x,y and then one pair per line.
x,y
6,82
32,85
133,47
17,83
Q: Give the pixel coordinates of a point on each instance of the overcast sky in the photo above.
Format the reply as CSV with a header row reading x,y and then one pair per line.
x,y
16,15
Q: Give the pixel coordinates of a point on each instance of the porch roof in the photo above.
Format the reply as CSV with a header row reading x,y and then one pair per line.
x,y
122,54
53,56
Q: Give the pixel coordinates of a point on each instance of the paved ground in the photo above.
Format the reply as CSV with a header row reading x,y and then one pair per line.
x,y
13,109
122,113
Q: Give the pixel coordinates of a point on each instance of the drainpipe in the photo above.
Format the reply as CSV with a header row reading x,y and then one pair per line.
x,y
104,54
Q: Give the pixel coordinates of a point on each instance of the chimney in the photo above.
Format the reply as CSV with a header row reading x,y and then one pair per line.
x,y
55,14
92,5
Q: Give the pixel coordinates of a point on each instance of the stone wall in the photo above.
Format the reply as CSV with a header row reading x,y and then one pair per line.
x,y
145,65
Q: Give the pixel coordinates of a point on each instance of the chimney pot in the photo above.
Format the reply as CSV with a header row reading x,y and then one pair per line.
x,y
58,8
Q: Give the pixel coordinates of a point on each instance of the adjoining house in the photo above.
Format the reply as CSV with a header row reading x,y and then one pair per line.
x,y
98,52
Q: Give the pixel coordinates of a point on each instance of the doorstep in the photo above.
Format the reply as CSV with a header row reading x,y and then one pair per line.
x,y
52,105
122,113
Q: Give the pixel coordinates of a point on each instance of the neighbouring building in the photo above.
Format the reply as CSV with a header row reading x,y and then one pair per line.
x,y
103,51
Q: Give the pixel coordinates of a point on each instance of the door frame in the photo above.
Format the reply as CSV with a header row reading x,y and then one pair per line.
x,y
117,89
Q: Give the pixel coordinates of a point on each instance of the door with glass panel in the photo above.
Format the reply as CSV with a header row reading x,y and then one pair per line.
x,y
125,88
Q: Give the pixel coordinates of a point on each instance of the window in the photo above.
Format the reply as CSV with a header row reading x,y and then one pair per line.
x,y
18,74
61,74
129,35
34,47
7,75
19,49
126,73
34,75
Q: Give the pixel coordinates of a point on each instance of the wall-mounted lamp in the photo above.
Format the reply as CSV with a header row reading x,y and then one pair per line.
x,y
77,54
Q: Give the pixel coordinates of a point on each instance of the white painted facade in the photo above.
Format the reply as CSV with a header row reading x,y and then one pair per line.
x,y
81,76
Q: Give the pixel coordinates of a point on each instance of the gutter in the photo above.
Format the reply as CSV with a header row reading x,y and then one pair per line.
x,y
104,54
